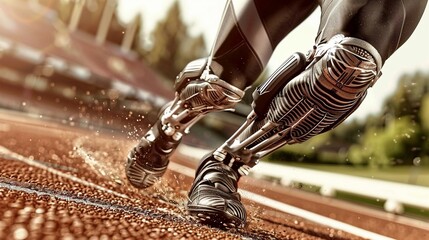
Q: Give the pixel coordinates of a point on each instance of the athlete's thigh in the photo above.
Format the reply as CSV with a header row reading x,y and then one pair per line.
x,y
249,33
385,24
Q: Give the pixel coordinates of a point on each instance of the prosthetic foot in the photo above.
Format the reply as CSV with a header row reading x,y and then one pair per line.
x,y
213,198
306,96
197,93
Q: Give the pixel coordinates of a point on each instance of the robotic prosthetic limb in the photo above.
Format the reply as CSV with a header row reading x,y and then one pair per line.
x,y
197,93
326,92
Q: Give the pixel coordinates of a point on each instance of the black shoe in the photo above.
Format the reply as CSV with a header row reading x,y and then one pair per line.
x,y
213,198
148,161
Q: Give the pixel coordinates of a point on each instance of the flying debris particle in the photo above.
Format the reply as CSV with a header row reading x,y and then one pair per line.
x,y
416,161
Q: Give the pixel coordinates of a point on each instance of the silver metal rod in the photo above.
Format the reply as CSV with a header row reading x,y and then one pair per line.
x,y
249,120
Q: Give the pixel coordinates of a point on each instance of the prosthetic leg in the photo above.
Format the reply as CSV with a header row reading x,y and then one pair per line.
x,y
288,108
197,93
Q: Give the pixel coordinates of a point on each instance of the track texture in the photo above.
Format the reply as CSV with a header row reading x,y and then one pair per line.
x,y
61,182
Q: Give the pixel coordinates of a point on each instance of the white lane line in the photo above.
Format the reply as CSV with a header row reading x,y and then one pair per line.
x,y
57,195
312,216
291,209
8,154
90,202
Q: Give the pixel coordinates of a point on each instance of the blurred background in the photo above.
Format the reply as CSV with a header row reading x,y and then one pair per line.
x,y
109,65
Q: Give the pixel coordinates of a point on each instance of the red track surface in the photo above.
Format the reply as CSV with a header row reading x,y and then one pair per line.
x,y
63,182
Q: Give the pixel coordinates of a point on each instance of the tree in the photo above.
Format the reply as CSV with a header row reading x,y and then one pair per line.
x,y
424,113
406,101
173,47
424,119
396,144
402,136
348,132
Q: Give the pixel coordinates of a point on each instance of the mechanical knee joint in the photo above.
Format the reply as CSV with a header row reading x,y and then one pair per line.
x,y
197,93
